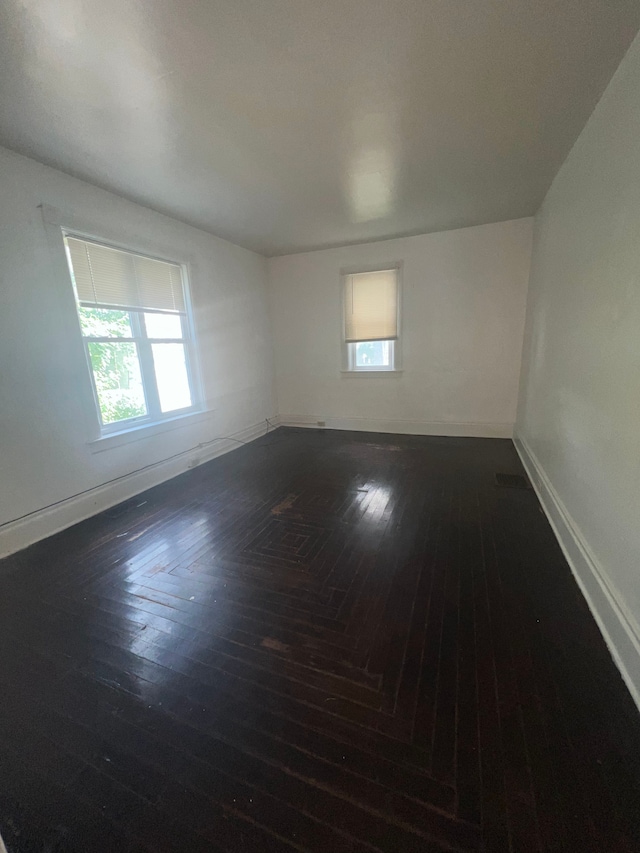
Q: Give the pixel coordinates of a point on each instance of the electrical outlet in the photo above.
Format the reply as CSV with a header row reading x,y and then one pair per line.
x,y
321,423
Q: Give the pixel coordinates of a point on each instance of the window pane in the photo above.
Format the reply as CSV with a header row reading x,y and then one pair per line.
x,y
372,354
163,325
104,323
116,371
171,376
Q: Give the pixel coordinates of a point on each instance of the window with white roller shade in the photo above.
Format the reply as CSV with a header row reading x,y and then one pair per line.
x,y
371,320
371,306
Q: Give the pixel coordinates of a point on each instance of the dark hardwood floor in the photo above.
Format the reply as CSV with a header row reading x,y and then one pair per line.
x,y
324,641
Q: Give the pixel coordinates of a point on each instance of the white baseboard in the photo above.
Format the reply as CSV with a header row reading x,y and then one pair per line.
x,y
617,625
45,522
403,427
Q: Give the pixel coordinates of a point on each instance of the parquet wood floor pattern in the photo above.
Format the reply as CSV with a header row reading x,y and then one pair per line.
x,y
323,641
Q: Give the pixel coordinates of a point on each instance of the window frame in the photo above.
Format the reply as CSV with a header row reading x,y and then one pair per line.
x,y
353,367
349,347
143,343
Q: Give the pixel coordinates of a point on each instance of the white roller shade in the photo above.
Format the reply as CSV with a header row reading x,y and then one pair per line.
x,y
371,306
112,278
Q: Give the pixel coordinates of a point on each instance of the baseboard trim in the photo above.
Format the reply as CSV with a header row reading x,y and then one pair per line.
x,y
16,535
617,625
402,427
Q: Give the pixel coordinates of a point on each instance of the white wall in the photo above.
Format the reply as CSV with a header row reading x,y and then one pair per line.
x,y
45,394
579,415
463,309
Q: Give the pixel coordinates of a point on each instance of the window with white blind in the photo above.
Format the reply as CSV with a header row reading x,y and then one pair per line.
x,y
133,313
371,303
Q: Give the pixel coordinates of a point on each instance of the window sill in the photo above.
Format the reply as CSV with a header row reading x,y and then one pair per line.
x,y
393,372
137,433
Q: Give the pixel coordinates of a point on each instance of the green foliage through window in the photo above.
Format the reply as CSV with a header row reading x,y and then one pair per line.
x,y
104,323
116,368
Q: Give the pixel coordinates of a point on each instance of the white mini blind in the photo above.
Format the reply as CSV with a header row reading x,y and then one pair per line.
x,y
112,278
371,306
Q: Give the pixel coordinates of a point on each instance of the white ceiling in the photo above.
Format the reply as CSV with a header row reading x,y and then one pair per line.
x,y
291,124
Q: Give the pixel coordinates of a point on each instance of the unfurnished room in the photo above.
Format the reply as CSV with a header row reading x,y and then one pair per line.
x,y
320,426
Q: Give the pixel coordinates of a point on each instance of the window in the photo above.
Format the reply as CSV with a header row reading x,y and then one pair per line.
x,y
371,327
136,331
